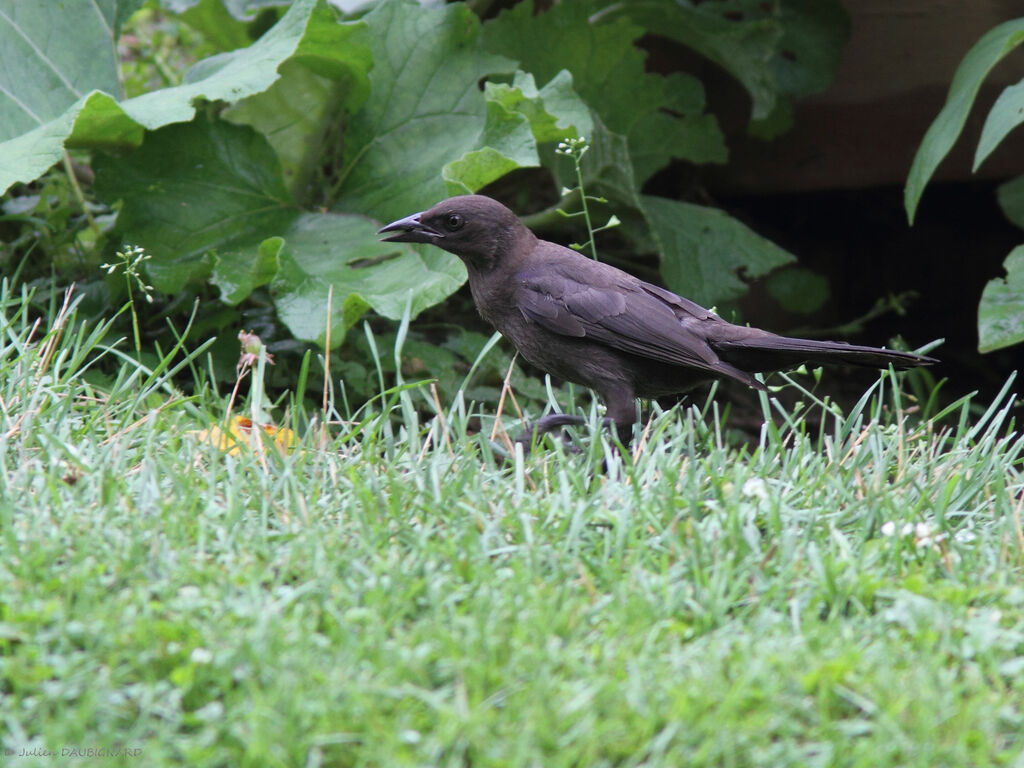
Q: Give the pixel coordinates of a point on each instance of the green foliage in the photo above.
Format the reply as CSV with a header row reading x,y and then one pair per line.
x,y
661,117
946,128
778,51
798,290
1001,311
705,248
262,171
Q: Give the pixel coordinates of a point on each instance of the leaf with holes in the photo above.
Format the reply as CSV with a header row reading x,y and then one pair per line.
x,y
661,117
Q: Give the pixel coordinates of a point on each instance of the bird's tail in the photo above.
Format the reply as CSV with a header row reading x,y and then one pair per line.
x,y
776,353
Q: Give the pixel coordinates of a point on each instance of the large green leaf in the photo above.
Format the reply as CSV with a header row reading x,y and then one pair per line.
x,y
194,188
782,49
344,251
744,47
425,110
55,58
608,71
308,33
1001,312
53,54
518,117
814,33
704,250
296,114
1006,114
207,199
554,112
80,96
943,132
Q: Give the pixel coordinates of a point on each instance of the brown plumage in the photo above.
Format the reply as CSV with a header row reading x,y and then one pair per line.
x,y
587,322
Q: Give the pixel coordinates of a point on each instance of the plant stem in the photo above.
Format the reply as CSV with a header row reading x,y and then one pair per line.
x,y
583,203
69,169
135,315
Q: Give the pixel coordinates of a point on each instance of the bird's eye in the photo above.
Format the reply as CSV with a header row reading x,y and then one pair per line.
x,y
453,222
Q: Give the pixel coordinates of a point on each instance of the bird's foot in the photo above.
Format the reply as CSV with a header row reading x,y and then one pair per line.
x,y
547,424
556,421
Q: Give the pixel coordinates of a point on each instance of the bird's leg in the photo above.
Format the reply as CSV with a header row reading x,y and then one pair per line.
x,y
620,402
549,423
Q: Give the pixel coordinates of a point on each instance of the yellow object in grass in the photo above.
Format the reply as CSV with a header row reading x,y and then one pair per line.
x,y
240,433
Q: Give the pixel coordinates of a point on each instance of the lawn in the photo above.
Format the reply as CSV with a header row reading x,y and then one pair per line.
x,y
393,590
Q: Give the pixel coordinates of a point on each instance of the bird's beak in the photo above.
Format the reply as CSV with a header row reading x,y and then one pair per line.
x,y
410,230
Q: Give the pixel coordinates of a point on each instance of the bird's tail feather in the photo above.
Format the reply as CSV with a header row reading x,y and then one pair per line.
x,y
774,353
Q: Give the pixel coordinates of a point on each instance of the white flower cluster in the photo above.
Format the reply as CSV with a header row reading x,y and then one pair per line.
x,y
572,147
924,534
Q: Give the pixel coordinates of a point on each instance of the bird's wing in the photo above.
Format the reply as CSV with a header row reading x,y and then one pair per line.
x,y
623,313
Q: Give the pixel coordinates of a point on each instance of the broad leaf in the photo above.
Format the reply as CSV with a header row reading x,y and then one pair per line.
x,y
1006,114
344,251
811,47
614,83
741,47
192,189
776,50
518,117
1001,312
83,112
555,111
307,32
53,55
226,213
704,250
238,271
295,114
945,129
425,110
504,144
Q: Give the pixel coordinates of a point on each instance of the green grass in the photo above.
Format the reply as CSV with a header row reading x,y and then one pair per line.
x,y
399,595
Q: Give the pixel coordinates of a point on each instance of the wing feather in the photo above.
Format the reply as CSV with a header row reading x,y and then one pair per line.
x,y
624,313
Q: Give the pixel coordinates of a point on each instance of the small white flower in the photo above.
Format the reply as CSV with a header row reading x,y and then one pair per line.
x,y
888,528
755,487
200,655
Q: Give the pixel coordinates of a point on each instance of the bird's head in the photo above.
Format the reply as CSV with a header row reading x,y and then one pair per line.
x,y
479,230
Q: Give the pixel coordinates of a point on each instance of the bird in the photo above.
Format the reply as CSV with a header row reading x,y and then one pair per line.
x,y
588,322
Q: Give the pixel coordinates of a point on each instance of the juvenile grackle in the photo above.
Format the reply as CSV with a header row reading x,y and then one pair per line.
x,y
587,322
